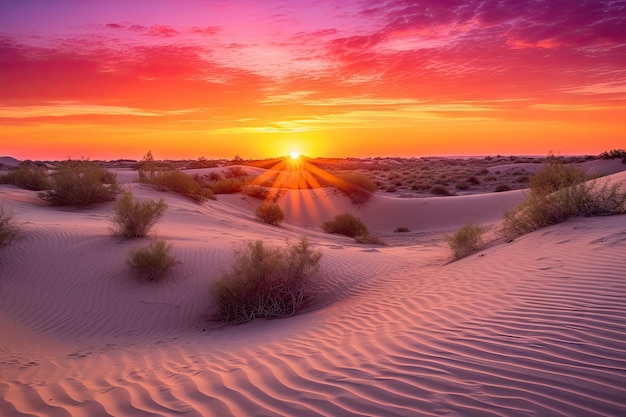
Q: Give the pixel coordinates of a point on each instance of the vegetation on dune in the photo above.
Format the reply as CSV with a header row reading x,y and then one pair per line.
x,y
346,224
465,240
560,192
181,183
270,213
81,183
134,218
613,153
8,228
27,175
266,281
153,262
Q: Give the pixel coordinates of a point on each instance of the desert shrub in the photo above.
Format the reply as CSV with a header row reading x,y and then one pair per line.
x,y
502,187
27,175
255,191
522,179
474,180
463,186
270,213
226,186
613,153
152,262
360,180
593,198
201,162
346,224
8,227
81,183
182,183
440,190
235,172
134,218
465,240
266,281
391,189
401,229
555,176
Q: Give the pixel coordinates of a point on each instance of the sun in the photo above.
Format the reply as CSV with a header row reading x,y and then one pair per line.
x,y
294,155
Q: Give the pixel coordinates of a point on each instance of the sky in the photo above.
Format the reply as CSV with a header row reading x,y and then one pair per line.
x,y
112,79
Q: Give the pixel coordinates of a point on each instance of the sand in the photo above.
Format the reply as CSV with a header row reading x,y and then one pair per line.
x,y
536,326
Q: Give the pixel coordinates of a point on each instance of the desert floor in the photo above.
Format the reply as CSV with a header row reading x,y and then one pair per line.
x,y
531,327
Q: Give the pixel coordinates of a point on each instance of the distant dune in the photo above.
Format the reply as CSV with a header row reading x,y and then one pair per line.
x,y
8,161
536,326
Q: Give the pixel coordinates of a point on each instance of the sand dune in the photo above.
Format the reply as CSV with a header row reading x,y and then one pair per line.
x,y
532,327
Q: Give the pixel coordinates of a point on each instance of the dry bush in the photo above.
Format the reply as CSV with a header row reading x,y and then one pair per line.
x,y
27,175
401,229
346,224
255,191
81,183
440,190
555,176
135,219
592,198
235,172
153,262
226,186
182,183
465,240
8,227
502,187
270,213
266,281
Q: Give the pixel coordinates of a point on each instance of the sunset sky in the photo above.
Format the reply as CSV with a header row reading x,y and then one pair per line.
x,y
109,79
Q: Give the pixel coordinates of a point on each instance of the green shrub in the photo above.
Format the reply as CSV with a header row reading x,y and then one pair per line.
x,y
346,224
593,198
153,262
182,183
270,213
135,219
401,230
27,175
8,228
81,183
465,240
266,282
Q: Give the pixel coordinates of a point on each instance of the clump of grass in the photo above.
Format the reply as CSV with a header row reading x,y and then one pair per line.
x,y
226,186
81,183
270,213
401,229
465,240
27,175
181,183
153,262
560,192
8,228
346,224
135,219
266,281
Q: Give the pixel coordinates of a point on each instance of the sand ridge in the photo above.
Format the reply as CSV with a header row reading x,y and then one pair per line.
x,y
531,327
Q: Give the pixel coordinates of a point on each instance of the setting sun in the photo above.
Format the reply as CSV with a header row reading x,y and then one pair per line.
x,y
294,155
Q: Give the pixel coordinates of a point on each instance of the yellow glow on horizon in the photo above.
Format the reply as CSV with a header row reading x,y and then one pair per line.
x,y
294,155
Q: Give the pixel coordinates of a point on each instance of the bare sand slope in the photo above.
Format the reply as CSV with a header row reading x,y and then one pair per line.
x,y
533,327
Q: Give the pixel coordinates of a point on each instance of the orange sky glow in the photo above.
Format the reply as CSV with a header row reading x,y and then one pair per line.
x,y
110,79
